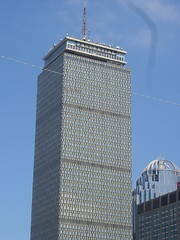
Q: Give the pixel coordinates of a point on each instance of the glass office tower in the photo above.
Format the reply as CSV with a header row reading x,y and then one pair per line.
x,y
158,178
82,166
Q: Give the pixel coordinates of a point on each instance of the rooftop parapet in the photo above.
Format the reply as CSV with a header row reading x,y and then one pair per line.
x,y
86,48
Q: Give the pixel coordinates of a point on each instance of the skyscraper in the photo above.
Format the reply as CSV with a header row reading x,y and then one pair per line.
x,y
82,165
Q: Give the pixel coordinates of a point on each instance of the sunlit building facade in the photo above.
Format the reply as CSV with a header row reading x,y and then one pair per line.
x,y
82,166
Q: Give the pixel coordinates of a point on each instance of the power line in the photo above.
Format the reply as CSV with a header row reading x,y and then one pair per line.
x,y
156,99
29,64
134,93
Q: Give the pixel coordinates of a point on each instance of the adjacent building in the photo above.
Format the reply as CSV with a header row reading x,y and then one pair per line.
x,y
82,165
159,218
156,202
158,178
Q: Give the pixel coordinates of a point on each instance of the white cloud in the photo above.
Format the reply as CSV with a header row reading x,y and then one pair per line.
x,y
164,10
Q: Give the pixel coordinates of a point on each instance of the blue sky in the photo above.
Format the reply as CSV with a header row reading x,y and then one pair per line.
x,y
148,30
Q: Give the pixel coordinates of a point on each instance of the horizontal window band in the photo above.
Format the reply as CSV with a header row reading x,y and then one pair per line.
x,y
96,111
92,223
96,165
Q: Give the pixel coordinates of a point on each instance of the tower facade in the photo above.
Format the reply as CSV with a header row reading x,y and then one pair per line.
x,y
82,165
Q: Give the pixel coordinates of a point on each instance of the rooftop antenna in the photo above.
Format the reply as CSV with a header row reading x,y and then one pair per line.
x,y
84,22
89,34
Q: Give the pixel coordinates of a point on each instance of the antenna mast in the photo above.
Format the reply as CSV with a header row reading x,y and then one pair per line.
x,y
84,22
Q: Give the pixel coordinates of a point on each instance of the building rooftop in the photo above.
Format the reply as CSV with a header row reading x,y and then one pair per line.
x,y
159,177
86,48
162,164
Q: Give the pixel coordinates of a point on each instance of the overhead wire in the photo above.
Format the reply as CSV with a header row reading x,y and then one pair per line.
x,y
52,71
157,99
29,64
